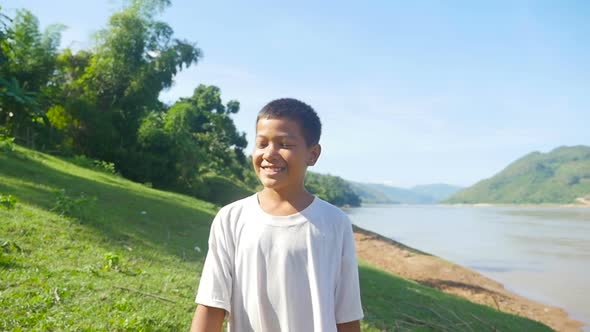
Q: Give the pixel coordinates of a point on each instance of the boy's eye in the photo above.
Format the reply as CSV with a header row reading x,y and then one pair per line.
x,y
262,145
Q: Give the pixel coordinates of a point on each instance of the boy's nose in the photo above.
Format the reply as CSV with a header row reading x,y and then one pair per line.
x,y
270,152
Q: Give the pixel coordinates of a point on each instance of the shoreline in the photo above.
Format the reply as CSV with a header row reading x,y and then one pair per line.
x,y
581,205
426,269
585,205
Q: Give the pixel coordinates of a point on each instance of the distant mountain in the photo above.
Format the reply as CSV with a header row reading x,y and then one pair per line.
x,y
561,176
402,195
384,194
368,194
439,191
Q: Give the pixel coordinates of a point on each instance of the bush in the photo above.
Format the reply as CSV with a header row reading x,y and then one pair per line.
x,y
99,165
6,143
7,202
67,205
7,251
105,166
112,262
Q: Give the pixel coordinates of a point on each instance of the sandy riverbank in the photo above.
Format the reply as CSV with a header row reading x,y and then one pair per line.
x,y
408,263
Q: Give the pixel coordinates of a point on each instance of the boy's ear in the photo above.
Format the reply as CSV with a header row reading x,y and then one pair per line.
x,y
314,155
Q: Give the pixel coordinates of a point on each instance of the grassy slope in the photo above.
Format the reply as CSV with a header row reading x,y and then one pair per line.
x,y
559,176
56,279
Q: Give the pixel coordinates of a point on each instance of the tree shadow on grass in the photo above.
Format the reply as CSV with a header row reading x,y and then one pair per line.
x,y
122,211
394,304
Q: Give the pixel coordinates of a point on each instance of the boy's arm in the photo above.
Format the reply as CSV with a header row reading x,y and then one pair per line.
x,y
208,319
348,308
354,326
215,286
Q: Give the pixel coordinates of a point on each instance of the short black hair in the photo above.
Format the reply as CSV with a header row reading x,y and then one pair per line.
x,y
297,111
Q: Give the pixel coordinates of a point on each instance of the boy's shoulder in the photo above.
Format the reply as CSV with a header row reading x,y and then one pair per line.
x,y
330,214
329,208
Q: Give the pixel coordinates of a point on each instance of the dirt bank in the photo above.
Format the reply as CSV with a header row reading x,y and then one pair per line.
x,y
433,271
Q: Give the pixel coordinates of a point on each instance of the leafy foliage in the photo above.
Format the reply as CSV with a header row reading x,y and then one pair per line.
x,y
6,142
112,262
67,205
99,165
29,63
7,202
194,138
4,35
8,249
560,176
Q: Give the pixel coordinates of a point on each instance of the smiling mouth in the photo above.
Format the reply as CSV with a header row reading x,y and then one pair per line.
x,y
273,169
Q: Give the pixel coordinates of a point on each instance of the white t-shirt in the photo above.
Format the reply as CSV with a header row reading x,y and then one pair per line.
x,y
282,273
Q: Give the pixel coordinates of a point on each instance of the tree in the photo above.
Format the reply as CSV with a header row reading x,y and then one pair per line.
x,y
5,33
135,59
157,153
28,58
204,136
71,113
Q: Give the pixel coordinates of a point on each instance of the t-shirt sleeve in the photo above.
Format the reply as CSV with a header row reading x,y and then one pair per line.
x,y
348,297
215,286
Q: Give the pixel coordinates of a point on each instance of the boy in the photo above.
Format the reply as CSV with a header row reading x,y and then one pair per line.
x,y
281,259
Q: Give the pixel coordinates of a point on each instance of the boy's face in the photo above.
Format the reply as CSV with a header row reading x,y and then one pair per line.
x,y
281,155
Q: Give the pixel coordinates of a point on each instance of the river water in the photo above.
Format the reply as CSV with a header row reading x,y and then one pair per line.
x,y
538,252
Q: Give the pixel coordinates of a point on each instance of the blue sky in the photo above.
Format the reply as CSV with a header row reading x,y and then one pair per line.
x,y
409,92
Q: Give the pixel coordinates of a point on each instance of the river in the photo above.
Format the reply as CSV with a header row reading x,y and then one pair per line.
x,y
542,253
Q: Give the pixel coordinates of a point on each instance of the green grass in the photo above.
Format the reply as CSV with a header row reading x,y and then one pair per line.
x,y
110,254
222,190
395,304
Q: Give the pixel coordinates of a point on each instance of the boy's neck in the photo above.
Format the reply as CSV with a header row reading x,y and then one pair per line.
x,y
284,203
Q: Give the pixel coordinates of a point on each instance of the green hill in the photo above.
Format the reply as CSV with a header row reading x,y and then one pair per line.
x,y
561,176
83,250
